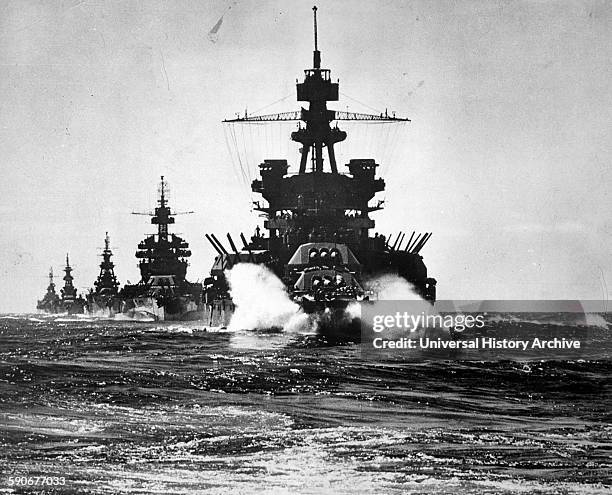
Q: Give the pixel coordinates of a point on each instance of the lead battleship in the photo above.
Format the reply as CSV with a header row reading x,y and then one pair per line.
x,y
163,292
318,221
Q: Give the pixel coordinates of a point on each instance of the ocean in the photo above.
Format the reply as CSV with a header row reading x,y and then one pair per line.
x,y
101,406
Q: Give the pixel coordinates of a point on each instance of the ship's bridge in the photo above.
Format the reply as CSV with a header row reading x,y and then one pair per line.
x,y
319,200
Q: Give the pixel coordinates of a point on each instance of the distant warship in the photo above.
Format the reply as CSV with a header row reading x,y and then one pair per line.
x,y
318,223
70,302
163,291
50,303
103,299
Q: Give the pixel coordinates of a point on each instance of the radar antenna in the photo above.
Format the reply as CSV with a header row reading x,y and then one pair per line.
x,y
163,215
318,134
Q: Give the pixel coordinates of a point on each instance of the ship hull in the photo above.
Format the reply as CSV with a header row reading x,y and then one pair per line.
x,y
178,309
103,310
49,309
325,279
331,317
62,308
73,307
218,313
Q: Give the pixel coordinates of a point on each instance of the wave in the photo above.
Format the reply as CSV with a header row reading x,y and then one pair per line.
x,y
124,317
579,320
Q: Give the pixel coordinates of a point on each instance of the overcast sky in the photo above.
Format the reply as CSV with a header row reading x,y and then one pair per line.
x,y
506,160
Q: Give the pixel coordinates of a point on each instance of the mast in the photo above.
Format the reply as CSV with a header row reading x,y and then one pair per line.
x,y
68,277
317,89
68,292
317,54
166,254
163,216
107,279
51,287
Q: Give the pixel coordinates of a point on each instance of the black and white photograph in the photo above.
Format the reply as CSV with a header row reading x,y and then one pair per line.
x,y
305,247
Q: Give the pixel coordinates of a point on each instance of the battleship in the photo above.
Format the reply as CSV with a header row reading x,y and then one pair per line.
x,y
103,298
68,301
50,303
163,292
318,223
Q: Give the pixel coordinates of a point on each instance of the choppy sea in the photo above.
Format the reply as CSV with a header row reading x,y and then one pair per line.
x,y
149,407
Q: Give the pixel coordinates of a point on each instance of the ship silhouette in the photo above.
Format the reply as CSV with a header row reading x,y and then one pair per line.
x,y
103,298
318,239
50,303
163,292
68,300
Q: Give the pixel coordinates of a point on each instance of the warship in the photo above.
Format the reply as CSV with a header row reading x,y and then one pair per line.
x,y
50,303
70,302
318,223
163,292
102,299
